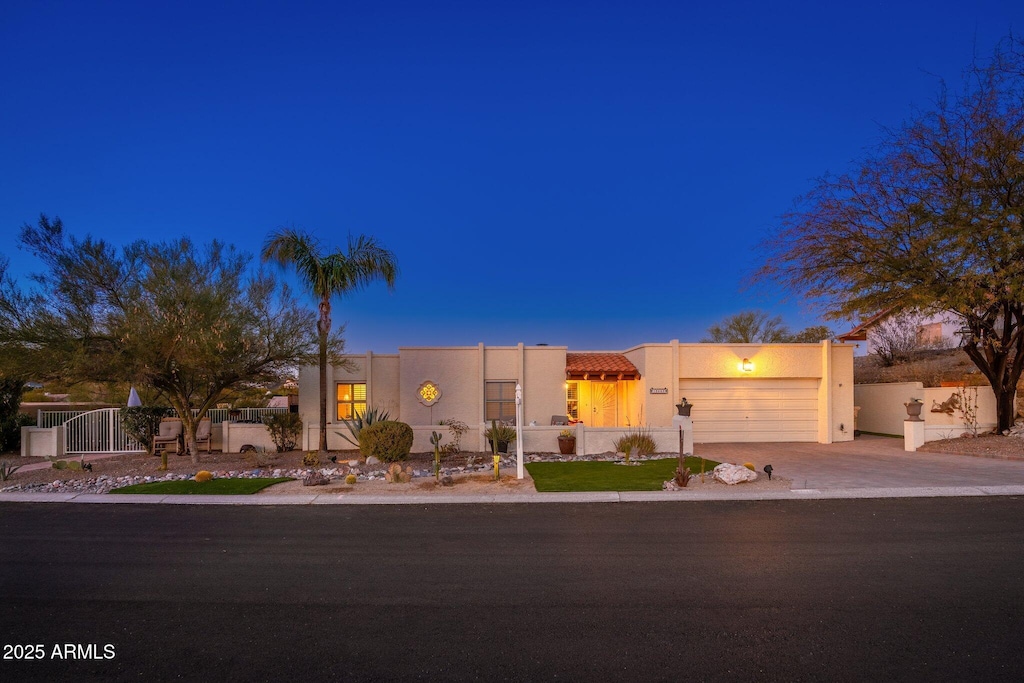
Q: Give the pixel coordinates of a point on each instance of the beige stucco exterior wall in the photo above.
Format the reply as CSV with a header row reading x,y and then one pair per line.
x,y
461,371
717,361
840,420
501,363
830,364
379,371
455,371
383,385
543,383
656,365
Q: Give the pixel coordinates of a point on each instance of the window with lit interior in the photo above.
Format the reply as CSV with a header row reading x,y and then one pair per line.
x,y
351,398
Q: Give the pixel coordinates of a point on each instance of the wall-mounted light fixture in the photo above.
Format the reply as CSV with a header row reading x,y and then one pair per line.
x,y
747,365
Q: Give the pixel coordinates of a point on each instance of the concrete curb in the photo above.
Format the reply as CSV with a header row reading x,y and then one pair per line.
x,y
595,497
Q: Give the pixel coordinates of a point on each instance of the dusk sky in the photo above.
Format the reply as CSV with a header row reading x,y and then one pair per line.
x,y
596,175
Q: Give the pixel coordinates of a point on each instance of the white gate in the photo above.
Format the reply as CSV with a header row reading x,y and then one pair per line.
x,y
98,431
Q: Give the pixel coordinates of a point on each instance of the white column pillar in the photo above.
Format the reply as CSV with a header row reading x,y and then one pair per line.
x,y
681,421
913,434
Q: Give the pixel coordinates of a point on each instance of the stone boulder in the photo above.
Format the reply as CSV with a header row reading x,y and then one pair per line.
x,y
733,474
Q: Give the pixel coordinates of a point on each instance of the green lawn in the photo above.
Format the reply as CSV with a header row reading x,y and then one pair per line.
x,y
219,487
607,476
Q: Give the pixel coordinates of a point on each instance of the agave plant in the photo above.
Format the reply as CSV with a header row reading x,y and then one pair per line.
x,y
7,469
358,422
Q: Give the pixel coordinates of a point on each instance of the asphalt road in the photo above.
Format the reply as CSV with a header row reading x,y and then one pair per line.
x,y
921,589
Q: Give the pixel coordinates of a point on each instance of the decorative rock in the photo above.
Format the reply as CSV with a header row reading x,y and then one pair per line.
x,y
315,479
372,460
733,474
446,480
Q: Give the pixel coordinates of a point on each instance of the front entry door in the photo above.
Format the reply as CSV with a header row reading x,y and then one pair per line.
x,y
603,405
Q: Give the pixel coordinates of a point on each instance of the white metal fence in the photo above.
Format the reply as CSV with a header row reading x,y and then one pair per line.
x,y
218,415
98,431
55,418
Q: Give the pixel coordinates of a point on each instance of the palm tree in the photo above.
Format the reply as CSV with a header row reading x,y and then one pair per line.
x,y
327,276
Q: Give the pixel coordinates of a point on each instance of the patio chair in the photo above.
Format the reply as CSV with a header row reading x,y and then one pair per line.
x,y
204,435
560,420
170,433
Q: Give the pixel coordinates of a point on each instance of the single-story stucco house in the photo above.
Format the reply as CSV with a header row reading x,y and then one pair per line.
x,y
739,392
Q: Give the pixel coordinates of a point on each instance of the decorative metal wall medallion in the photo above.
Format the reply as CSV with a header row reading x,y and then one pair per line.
x,y
428,393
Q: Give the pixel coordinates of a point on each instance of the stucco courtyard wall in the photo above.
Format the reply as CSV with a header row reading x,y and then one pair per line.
x,y
882,409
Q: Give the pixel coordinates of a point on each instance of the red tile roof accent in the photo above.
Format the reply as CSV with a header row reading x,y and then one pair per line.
x,y
860,333
593,365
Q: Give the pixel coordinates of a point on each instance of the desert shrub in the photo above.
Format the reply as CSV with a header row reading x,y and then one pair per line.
x,y
458,429
142,422
636,441
387,441
203,475
311,459
285,429
259,456
11,421
361,422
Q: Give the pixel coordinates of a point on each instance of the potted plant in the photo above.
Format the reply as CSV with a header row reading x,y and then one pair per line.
x,y
683,407
503,434
567,442
914,409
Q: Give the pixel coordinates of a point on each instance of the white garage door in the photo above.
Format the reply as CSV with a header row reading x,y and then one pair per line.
x,y
728,410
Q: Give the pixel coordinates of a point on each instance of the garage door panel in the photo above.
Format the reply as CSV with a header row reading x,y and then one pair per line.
x,y
749,410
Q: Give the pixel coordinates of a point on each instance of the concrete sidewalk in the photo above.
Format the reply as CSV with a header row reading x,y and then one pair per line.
x,y
599,497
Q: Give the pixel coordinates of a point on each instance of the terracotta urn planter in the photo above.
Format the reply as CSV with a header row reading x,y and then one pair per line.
x,y
914,411
567,445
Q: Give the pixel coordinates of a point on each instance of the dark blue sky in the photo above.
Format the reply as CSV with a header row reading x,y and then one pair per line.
x,y
596,174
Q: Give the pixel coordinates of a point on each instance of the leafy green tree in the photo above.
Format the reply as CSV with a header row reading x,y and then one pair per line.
x,y
932,219
811,335
748,327
190,323
327,276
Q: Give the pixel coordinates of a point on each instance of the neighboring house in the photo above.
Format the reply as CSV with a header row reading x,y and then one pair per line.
x,y
913,329
786,392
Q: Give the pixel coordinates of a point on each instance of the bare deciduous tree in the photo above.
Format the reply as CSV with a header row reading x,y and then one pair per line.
x,y
933,219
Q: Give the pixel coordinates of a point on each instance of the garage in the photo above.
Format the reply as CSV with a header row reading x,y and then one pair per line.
x,y
731,410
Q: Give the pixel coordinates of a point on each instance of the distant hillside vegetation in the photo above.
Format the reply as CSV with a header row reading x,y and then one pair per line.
x,y
931,367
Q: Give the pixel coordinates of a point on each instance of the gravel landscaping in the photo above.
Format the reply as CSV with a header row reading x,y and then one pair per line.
x,y
467,472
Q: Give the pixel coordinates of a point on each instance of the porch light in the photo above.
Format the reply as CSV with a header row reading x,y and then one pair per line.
x,y
747,365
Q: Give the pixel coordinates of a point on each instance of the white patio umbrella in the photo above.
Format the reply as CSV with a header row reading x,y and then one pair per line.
x,y
133,399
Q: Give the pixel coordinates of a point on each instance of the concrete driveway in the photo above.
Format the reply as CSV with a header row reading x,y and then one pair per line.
x,y
866,462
